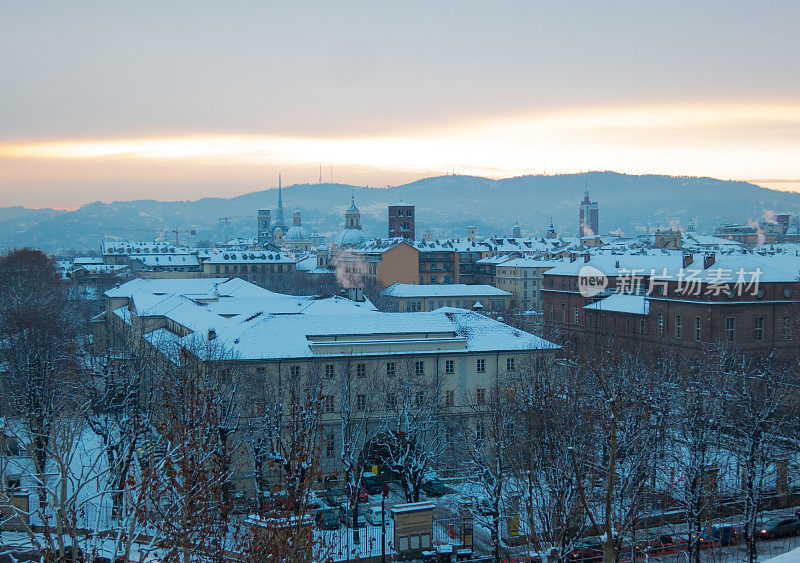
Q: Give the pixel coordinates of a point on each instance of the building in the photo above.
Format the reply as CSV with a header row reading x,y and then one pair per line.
x,y
523,278
264,228
382,262
410,298
678,303
275,346
352,234
588,217
401,221
297,237
256,266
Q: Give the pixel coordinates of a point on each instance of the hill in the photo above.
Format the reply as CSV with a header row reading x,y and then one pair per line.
x,y
445,204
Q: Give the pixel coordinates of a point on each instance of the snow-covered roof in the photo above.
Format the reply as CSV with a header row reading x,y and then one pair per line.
x,y
531,263
443,290
251,257
311,335
622,303
170,260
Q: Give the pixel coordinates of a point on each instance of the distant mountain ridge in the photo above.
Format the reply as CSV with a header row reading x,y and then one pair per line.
x,y
445,204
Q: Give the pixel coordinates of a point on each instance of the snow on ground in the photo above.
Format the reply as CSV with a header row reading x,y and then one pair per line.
x,y
792,556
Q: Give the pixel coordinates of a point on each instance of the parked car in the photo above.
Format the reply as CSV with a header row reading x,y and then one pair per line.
x,y
586,553
704,539
725,534
373,515
434,488
335,497
779,527
373,485
664,544
328,519
360,520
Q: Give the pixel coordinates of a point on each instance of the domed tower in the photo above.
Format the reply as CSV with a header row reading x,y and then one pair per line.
x,y
352,233
297,236
551,231
352,217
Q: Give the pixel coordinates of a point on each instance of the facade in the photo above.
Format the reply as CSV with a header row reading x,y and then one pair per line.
x,y
523,278
383,262
588,217
401,221
249,265
353,356
412,298
679,303
264,227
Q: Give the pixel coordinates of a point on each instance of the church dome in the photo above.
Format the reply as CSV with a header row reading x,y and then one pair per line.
x,y
296,233
352,237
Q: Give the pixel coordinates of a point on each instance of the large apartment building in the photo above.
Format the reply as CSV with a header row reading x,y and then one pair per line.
x,y
523,278
676,302
357,357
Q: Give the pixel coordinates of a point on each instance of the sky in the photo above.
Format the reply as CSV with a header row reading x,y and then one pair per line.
x,y
179,100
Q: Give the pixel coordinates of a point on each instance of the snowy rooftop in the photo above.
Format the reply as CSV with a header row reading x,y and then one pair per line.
x,y
259,257
315,335
622,303
443,290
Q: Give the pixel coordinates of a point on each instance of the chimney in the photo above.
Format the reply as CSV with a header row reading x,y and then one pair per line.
x,y
356,294
586,257
708,261
212,334
687,260
616,264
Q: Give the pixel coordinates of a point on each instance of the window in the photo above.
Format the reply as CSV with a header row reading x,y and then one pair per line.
x,y
480,396
627,324
449,435
642,326
294,371
481,364
698,328
449,398
678,327
448,366
329,370
419,367
390,369
758,334
361,370
660,324
786,325
564,313
329,444
730,329
577,316
391,401
509,364
361,402
327,403
419,397
261,372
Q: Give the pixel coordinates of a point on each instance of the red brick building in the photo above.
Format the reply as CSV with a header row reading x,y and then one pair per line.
x,y
678,303
401,221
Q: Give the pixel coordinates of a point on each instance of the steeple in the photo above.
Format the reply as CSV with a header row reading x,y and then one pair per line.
x,y
352,217
279,219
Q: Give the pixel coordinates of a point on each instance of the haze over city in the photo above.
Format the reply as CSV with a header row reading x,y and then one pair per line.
x,y
181,101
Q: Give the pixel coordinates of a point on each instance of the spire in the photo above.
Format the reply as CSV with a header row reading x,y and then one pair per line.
x,y
279,220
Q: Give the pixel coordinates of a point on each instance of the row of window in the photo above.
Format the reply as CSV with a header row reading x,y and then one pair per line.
x,y
391,368
729,330
253,268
